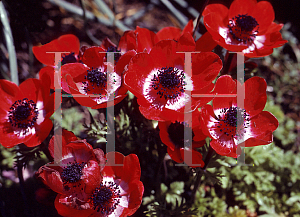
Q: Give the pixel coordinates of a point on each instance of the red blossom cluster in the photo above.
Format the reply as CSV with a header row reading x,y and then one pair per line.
x,y
152,66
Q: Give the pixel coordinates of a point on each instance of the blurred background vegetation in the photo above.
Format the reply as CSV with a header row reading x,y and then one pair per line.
x,y
269,188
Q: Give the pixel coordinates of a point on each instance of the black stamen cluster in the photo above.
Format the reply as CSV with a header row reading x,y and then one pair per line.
x,y
241,28
95,78
232,117
23,114
176,133
72,173
169,82
106,197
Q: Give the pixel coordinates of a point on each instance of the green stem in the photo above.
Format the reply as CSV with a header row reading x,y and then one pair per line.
x,y
208,157
199,17
13,66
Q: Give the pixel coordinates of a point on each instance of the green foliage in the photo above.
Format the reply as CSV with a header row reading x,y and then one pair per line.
x,y
70,119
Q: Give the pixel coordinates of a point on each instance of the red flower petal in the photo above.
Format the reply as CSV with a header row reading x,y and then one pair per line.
x,y
66,138
255,95
216,8
224,146
186,43
264,15
168,33
75,70
94,57
51,177
178,156
241,7
9,93
65,43
128,41
85,101
145,39
69,211
49,70
42,131
224,85
163,134
130,171
262,126
189,28
136,196
205,43
91,176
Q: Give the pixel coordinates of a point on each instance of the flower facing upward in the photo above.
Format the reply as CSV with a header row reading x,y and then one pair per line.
x,y
120,192
159,81
229,125
75,174
25,112
93,79
247,26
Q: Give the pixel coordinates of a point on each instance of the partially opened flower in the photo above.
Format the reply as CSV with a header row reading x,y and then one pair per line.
x,y
159,80
142,39
65,43
69,44
173,135
25,112
230,125
95,83
247,26
74,174
121,191
174,33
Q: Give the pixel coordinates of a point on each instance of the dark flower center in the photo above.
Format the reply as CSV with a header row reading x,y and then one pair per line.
x,y
243,28
95,78
117,55
234,122
176,133
106,197
72,173
23,114
68,58
169,82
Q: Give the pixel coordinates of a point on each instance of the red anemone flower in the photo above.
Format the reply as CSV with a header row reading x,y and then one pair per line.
x,y
75,174
25,112
142,39
159,81
247,26
119,194
90,83
230,125
172,135
174,33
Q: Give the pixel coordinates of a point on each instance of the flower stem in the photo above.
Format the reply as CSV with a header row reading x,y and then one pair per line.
x,y
199,17
21,180
209,155
22,187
